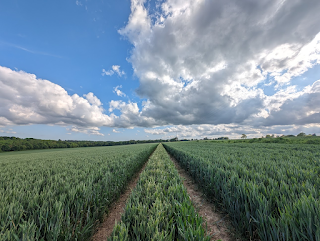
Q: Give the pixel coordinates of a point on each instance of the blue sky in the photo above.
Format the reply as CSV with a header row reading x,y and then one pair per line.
x,y
68,43
121,70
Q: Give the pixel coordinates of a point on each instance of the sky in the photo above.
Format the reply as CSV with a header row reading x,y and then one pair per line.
x,y
140,69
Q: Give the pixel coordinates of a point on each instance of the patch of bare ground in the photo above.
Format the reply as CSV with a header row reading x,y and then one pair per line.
x,y
104,230
217,224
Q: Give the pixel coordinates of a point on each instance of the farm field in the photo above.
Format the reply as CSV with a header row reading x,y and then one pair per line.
x,y
270,191
59,194
159,208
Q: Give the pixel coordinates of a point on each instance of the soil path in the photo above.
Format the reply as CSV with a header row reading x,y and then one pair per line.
x,y
104,230
218,225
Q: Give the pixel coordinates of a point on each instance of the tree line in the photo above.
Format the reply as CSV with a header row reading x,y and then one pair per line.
x,y
20,144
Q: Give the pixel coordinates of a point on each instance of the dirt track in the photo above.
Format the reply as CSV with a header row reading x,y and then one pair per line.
x,y
218,225
105,229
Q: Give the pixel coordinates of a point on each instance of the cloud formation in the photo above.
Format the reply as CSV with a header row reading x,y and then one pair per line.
x,y
204,62
232,131
115,131
26,99
118,92
114,69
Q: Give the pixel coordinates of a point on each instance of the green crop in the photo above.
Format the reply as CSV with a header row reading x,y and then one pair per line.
x,y
159,208
60,194
271,191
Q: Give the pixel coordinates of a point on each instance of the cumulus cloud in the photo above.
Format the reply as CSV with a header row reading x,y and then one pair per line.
x,y
300,108
115,69
131,115
26,99
119,92
203,62
115,131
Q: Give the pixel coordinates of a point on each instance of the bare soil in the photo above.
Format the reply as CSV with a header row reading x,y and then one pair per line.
x,y
104,230
217,224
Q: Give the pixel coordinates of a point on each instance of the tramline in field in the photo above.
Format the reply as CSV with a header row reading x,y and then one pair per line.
x,y
59,194
159,208
271,191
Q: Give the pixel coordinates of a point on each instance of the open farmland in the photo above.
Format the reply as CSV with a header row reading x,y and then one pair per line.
x,y
59,194
159,208
271,191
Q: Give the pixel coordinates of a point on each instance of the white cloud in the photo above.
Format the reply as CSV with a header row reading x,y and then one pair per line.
x,y
115,131
115,69
206,62
291,107
119,92
131,115
25,99
86,130
93,100
233,131
109,72
293,59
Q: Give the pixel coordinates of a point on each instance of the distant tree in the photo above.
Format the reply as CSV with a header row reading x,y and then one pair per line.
x,y
244,136
314,134
268,136
6,147
301,134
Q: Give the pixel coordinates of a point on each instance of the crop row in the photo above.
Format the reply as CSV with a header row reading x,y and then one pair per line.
x,y
159,208
271,191
60,194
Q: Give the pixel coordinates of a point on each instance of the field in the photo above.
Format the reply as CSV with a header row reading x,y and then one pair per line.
x,y
159,208
270,191
59,194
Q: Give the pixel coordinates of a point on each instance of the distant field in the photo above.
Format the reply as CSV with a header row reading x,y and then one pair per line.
x,y
271,191
59,194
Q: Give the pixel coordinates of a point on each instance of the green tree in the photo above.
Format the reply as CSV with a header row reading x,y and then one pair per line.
x,y
301,134
244,136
